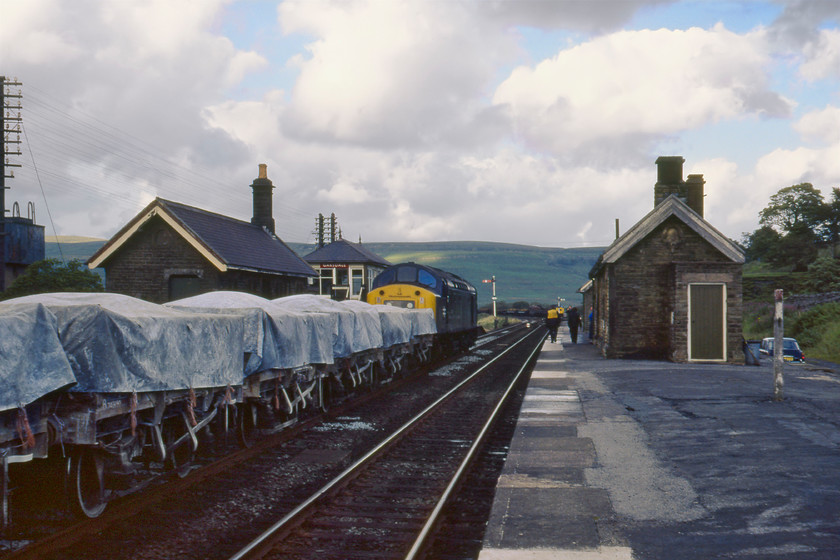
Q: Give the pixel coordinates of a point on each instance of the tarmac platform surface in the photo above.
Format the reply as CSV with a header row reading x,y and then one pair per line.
x,y
633,459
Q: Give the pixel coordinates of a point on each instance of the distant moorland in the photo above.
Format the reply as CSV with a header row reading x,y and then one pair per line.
x,y
523,272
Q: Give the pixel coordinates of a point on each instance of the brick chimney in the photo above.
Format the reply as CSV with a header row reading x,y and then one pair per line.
x,y
695,192
669,181
263,213
668,178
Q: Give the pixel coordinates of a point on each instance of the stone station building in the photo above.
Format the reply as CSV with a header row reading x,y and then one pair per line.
x,y
670,287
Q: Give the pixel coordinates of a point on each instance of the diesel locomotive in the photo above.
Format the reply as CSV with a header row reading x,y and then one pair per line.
x,y
453,300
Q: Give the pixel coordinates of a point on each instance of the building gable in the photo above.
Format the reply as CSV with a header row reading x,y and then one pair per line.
x,y
672,206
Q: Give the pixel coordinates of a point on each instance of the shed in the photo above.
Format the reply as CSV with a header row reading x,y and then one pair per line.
x,y
171,251
670,287
346,270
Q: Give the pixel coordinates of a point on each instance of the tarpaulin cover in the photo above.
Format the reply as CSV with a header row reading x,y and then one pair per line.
x,y
348,337
274,337
422,322
117,343
367,322
395,323
32,361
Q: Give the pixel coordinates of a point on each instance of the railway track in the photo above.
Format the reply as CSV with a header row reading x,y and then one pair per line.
x,y
389,502
214,511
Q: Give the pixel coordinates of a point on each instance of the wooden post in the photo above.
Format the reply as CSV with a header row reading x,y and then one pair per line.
x,y
778,343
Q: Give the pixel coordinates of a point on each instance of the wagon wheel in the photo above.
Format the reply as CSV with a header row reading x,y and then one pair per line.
x,y
85,483
178,459
246,424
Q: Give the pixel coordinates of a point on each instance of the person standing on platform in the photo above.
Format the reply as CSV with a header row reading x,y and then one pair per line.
x,y
573,319
552,321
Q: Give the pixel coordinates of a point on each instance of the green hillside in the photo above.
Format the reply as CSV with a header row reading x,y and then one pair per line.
x,y
523,272
81,250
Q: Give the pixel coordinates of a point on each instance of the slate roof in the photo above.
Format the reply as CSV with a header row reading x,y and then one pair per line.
x,y
671,206
343,251
227,242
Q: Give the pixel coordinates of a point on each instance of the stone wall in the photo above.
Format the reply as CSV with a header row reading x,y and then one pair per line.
x,y
642,293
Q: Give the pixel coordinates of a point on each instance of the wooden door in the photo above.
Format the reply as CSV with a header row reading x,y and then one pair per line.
x,y
707,321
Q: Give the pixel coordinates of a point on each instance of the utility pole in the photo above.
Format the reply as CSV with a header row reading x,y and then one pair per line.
x,y
10,124
319,230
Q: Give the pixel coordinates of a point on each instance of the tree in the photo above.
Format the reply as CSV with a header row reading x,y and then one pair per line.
x,y
51,275
792,208
830,218
761,244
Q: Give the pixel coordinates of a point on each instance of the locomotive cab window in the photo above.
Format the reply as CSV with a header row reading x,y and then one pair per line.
x,y
407,275
426,279
386,277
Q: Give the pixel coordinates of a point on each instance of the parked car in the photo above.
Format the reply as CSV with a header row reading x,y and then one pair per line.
x,y
790,349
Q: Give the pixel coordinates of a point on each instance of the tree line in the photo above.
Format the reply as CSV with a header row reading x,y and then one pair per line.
x,y
800,232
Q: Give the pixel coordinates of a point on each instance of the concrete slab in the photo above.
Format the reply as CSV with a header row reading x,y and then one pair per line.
x,y
621,459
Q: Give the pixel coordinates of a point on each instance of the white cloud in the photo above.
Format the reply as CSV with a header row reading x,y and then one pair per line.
x,y
640,84
391,74
412,119
823,125
822,56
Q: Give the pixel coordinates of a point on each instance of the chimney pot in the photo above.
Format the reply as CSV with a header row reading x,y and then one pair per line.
x,y
263,171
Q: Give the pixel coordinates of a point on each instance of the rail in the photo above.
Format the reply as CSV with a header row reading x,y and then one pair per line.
x,y
261,544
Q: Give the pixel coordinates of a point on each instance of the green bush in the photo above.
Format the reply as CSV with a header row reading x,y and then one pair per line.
x,y
816,329
51,275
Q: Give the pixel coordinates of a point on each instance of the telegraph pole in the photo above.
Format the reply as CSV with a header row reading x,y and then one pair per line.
x,y
10,124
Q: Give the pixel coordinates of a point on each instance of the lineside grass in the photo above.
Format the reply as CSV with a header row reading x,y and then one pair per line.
x,y
490,323
816,329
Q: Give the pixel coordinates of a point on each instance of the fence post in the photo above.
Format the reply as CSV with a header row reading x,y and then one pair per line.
x,y
778,343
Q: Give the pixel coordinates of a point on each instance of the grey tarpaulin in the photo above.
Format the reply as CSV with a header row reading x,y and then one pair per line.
x,y
117,343
32,361
274,337
422,322
368,322
346,339
395,323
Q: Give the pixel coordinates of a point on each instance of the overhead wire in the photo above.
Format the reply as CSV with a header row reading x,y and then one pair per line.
x,y
68,138
46,204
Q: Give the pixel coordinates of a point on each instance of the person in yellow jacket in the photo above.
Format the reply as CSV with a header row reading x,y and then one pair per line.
x,y
552,321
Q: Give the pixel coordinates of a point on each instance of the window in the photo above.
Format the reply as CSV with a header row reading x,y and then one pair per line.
x,y
407,274
385,277
426,278
326,281
356,278
341,277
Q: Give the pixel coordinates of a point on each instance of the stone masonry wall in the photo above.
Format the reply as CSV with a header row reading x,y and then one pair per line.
x,y
643,294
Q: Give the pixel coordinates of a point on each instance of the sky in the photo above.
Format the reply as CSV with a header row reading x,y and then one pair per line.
x,y
534,122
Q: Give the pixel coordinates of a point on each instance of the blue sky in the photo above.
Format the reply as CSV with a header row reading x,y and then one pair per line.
x,y
416,120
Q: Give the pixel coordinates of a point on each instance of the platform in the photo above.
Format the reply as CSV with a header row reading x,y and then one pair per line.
x,y
544,509
621,459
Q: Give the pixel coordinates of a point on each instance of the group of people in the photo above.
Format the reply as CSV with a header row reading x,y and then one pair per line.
x,y
555,316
